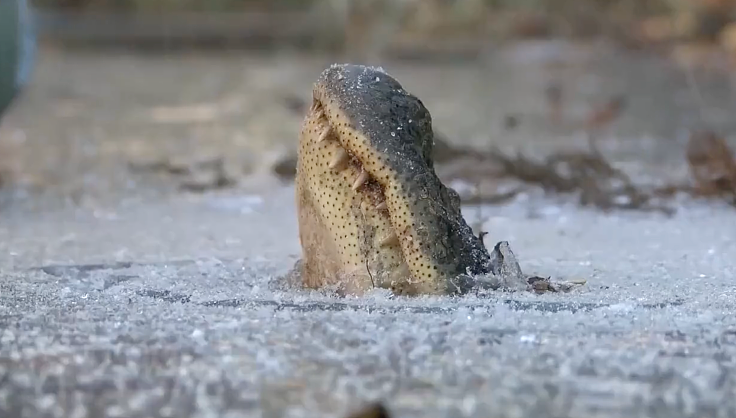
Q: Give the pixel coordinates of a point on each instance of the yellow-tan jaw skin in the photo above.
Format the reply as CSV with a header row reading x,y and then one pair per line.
x,y
372,212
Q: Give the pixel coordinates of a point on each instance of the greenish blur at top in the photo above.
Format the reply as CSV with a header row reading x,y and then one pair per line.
x,y
17,48
8,52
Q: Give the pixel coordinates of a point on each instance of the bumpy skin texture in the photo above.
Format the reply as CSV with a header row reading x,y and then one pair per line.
x,y
372,211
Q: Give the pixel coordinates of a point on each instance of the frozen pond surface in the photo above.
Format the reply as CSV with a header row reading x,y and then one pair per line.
x,y
195,327
119,300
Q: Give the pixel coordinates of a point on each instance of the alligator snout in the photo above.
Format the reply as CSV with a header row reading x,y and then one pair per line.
x,y
372,211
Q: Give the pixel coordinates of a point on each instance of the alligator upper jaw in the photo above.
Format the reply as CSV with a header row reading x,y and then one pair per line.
x,y
414,210
364,184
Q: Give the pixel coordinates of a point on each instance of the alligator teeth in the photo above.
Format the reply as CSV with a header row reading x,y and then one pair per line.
x,y
340,157
362,178
324,134
320,112
381,206
390,240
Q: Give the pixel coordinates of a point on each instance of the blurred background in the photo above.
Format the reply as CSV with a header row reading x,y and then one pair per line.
x,y
123,98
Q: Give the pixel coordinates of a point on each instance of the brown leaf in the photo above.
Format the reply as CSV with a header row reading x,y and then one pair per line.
x,y
606,113
712,164
375,410
285,167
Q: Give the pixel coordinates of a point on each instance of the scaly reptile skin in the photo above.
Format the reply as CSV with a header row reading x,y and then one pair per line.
x,y
372,211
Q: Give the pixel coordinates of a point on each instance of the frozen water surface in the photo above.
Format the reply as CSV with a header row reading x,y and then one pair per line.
x,y
170,306
196,325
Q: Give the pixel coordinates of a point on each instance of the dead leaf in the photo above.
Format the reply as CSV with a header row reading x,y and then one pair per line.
x,y
374,410
285,167
712,165
598,183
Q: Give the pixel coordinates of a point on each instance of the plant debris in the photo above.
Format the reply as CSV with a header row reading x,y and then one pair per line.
x,y
711,162
374,410
599,183
198,176
712,166
507,275
285,167
214,179
598,117
174,166
541,284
